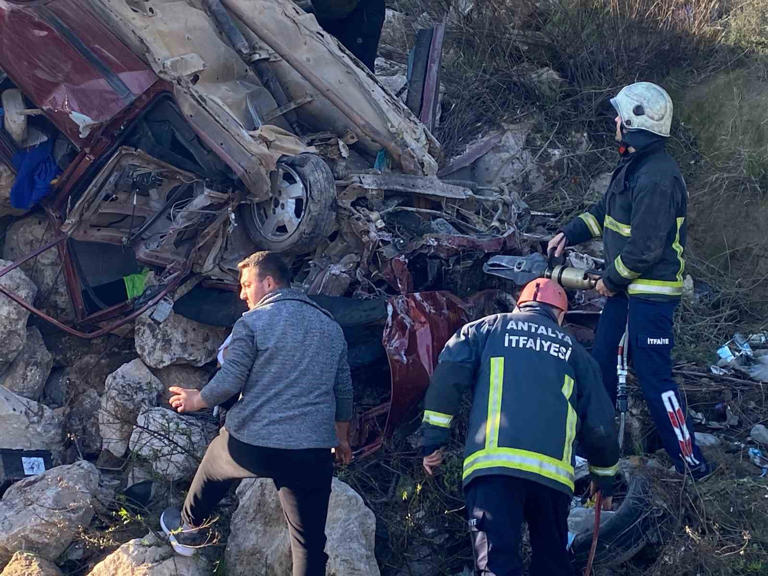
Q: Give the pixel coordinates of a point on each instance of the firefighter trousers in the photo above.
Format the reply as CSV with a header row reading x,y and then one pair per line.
x,y
496,508
651,339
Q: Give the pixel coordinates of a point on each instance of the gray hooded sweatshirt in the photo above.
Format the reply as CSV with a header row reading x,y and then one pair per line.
x,y
288,359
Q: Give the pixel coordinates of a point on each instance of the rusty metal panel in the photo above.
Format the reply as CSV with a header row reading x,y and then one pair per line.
x,y
69,64
418,326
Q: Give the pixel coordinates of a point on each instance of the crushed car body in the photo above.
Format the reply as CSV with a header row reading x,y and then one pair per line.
x,y
183,135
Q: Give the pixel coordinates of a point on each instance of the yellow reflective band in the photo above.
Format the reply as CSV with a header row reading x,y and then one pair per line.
x,y
570,423
520,460
616,226
494,402
677,247
623,270
656,287
437,419
592,224
612,471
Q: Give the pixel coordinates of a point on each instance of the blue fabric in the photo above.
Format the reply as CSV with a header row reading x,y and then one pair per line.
x,y
651,339
35,168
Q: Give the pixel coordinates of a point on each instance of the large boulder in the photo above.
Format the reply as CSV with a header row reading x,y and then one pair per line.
x,y
259,536
149,556
28,564
24,237
176,340
128,390
43,514
82,423
173,444
25,424
13,318
27,374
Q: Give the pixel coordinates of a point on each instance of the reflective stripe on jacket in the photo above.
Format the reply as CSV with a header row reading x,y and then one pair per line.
x,y
641,218
534,390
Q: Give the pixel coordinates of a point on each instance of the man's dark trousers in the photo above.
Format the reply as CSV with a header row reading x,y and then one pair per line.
x,y
496,509
651,339
303,481
360,32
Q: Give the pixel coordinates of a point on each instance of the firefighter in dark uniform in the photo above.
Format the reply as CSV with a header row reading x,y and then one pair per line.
x,y
642,221
356,24
534,391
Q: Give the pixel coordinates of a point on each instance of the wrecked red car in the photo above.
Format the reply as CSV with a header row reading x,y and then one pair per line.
x,y
165,140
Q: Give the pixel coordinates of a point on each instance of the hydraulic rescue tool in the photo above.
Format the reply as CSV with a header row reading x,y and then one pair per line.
x,y
523,269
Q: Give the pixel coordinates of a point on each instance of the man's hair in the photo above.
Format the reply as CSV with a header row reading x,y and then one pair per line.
x,y
268,264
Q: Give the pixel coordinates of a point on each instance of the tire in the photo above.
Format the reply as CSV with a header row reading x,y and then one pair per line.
x,y
628,531
278,226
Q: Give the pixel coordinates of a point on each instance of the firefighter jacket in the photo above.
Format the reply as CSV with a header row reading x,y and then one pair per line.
x,y
534,391
641,218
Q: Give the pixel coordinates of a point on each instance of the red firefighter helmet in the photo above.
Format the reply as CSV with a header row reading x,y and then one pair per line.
x,y
545,291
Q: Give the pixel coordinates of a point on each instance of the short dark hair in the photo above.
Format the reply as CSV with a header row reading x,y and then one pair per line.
x,y
268,264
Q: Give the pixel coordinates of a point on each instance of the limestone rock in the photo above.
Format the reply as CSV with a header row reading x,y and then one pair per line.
x,y
183,376
27,374
259,536
705,439
128,390
509,163
149,556
172,443
177,340
44,513
13,318
90,371
28,564
395,32
7,179
392,75
25,424
82,423
598,187
759,434
25,236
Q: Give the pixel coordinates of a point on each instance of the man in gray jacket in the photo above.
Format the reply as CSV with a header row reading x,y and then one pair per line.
x,y
287,362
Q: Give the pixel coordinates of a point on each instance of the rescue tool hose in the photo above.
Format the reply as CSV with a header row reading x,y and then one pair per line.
x,y
595,532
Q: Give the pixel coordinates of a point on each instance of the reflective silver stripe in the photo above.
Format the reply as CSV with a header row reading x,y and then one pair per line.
x,y
520,460
437,419
597,471
592,224
623,270
618,227
650,287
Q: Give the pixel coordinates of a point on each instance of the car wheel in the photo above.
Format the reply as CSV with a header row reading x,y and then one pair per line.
x,y
301,211
629,530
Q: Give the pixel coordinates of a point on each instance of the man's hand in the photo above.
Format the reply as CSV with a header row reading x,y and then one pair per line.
x,y
607,500
343,453
433,461
186,399
557,244
343,449
602,289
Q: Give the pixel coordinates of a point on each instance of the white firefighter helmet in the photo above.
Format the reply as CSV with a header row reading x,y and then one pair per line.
x,y
644,106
